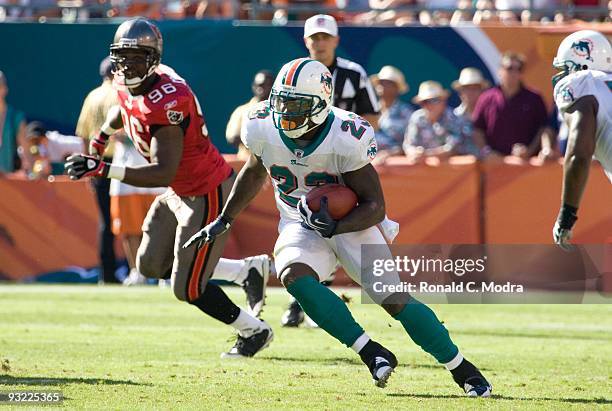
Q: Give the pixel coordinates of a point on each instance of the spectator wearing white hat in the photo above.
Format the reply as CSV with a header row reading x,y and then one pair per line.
x,y
469,86
353,90
433,130
389,84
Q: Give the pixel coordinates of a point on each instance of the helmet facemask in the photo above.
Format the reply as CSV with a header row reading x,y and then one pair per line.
x,y
131,66
296,114
566,68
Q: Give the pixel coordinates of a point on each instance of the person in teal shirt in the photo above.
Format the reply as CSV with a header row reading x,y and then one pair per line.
x,y
12,130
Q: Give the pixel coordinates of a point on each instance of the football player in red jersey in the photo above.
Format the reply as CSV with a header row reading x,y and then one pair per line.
x,y
163,118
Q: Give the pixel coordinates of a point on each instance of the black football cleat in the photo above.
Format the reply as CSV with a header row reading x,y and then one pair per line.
x,y
249,346
294,316
380,361
471,380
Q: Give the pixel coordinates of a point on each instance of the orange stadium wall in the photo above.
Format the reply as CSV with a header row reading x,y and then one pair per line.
x,y
47,226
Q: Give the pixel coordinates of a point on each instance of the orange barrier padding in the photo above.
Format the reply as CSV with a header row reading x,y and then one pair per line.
x,y
433,204
521,203
46,226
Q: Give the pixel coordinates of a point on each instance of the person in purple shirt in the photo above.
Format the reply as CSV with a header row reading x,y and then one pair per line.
x,y
510,118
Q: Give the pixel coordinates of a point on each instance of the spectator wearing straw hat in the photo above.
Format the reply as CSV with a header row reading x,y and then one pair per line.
x,y
389,84
433,130
469,86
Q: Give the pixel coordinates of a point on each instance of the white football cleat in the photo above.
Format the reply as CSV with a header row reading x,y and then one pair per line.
x,y
135,278
256,282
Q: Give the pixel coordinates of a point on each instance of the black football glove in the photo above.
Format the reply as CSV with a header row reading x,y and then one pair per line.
x,y
321,221
81,165
562,231
210,232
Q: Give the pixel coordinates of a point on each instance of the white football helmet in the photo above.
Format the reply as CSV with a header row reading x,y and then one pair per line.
x,y
301,97
583,50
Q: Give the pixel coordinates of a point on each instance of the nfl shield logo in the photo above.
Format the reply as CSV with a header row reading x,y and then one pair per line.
x,y
174,117
299,153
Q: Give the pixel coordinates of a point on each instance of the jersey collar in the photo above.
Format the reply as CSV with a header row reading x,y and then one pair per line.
x,y
333,65
307,150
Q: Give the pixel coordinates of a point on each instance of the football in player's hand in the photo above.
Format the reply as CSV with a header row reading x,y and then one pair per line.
x,y
340,199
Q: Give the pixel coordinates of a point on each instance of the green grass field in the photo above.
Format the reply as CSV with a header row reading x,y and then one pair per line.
x,y
139,348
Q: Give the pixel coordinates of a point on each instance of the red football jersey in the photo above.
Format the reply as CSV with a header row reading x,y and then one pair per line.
x,y
171,102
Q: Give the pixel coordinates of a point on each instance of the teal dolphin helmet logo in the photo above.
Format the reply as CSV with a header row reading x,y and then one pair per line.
x,y
583,48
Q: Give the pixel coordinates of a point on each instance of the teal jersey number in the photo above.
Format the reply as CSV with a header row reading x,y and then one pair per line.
x,y
288,182
355,132
318,179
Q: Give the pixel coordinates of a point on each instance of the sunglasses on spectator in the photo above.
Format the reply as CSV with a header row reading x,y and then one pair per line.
x,y
435,100
513,67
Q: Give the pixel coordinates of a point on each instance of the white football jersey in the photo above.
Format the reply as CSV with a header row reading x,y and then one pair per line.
x,y
346,143
599,85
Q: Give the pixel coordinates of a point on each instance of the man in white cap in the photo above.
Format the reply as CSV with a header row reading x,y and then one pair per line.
x,y
352,91
433,130
352,88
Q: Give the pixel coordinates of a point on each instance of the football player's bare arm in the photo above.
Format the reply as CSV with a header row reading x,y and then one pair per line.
x,y
247,185
166,152
113,117
581,119
371,208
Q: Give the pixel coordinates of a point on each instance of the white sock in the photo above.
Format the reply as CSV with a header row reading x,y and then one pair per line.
x,y
230,270
360,342
246,324
455,362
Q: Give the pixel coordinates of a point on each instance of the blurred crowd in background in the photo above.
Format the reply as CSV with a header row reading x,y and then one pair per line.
x,y
363,12
493,121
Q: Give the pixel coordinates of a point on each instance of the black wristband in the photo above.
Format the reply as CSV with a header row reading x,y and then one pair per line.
x,y
567,216
226,220
102,136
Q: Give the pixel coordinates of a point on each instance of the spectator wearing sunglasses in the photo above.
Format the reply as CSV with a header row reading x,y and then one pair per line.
x,y
509,118
433,130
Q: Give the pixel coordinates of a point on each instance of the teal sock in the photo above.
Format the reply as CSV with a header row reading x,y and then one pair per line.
x,y
326,309
427,331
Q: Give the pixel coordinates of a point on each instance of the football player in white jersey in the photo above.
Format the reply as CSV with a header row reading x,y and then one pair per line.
x,y
301,141
583,94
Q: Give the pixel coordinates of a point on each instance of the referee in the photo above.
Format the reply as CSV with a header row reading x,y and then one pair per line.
x,y
352,91
352,88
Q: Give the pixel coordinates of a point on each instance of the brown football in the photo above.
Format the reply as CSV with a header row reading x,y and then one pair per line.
x,y
340,199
